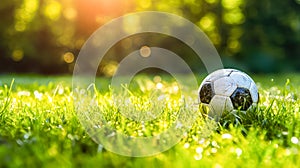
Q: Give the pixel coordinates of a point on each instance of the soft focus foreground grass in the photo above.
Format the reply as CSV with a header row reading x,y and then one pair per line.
x,y
39,128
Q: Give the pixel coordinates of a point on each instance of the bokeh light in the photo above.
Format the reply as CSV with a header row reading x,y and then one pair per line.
x,y
145,51
52,9
241,30
70,13
25,14
110,68
68,57
17,55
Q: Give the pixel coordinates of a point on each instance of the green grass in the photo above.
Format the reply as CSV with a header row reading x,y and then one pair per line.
x,y
39,127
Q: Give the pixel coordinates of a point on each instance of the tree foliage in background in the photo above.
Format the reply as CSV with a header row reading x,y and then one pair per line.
x,y
44,36
272,35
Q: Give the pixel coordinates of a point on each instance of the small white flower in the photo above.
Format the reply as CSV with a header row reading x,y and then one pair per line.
x,y
214,150
186,145
38,95
199,149
226,136
159,85
23,93
161,97
61,90
294,140
238,152
198,157
178,125
60,127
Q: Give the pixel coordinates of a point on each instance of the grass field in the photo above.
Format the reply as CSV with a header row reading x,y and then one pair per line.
x,y
39,127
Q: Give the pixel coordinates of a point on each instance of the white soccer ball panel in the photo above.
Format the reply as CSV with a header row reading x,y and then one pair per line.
x,y
213,114
241,79
224,86
228,107
234,70
218,74
254,92
218,105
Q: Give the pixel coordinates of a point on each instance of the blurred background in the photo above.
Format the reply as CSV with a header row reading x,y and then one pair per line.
x,y
45,36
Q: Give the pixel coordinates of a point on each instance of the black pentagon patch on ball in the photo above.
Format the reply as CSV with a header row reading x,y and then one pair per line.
x,y
206,93
241,98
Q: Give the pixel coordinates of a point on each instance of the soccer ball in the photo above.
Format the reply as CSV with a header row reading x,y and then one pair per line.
x,y
227,92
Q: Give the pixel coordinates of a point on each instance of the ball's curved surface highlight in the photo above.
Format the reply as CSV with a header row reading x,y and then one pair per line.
x,y
226,92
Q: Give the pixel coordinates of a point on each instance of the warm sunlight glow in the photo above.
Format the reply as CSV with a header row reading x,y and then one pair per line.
x,y
90,14
70,13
